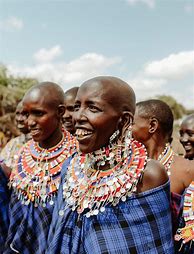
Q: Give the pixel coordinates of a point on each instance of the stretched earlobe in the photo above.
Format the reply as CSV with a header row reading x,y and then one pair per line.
x,y
127,121
61,110
153,125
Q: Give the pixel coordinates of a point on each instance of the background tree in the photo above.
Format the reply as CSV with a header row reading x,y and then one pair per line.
x,y
12,89
178,109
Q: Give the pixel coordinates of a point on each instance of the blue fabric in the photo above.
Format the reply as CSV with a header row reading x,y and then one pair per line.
x,y
4,205
142,225
28,228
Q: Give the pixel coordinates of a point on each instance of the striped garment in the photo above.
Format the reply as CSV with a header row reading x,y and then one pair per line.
x,y
4,205
141,225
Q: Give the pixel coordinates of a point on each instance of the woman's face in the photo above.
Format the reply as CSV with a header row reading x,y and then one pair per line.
x,y
95,117
187,138
140,128
43,120
68,115
21,119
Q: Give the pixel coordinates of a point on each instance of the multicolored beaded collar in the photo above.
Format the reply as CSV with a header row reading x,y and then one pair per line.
x,y
86,187
36,175
187,233
166,157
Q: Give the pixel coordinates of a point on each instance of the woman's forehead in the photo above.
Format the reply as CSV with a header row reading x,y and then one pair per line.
x,y
189,123
36,100
94,90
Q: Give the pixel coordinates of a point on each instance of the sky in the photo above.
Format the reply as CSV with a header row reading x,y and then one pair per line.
x,y
147,43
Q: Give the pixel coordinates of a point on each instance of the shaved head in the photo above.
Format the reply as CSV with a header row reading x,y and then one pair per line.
x,y
50,92
72,91
160,110
115,91
189,120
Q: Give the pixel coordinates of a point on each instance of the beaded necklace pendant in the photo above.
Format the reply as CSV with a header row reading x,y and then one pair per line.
x,y
89,189
166,157
36,175
187,233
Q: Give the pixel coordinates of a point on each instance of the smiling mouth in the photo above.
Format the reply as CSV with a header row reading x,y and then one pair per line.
x,y
188,149
80,133
34,132
20,126
68,124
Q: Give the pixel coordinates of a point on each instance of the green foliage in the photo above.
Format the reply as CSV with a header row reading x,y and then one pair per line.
x,y
12,90
178,109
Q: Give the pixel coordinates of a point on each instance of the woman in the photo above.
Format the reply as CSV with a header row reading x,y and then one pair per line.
x,y
36,175
153,126
13,146
187,136
111,199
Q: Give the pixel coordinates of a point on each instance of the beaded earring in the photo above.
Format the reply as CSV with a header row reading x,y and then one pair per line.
x,y
128,137
114,136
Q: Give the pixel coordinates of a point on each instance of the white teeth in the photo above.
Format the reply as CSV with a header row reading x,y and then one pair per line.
x,y
81,132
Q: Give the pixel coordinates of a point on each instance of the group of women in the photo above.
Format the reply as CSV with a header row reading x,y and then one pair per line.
x,y
96,191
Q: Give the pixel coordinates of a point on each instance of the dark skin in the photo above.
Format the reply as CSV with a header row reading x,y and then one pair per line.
x,y
149,132
103,105
44,110
69,101
187,136
21,123
21,118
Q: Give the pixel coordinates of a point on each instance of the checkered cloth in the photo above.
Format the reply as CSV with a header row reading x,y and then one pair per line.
x,y
141,225
28,228
4,204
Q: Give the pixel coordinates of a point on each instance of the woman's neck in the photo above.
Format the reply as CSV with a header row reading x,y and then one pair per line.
x,y
155,149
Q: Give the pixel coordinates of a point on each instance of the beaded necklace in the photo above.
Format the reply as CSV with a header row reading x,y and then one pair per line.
x,y
90,190
166,157
36,175
187,233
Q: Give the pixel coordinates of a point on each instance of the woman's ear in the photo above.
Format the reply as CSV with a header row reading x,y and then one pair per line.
x,y
61,110
125,121
153,125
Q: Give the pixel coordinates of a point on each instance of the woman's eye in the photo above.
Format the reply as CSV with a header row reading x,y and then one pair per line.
x,y
76,107
94,108
39,113
25,114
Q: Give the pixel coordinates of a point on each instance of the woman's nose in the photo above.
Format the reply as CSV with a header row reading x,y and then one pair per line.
x,y
184,137
31,121
79,115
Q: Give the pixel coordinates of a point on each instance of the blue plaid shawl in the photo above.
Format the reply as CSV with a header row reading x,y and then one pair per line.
x,y
4,204
28,228
142,225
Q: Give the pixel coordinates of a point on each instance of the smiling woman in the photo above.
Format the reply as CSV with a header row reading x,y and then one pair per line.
x,y
187,136
36,173
112,199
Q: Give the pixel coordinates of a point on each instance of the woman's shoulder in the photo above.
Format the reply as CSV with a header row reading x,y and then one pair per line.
x,y
153,176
